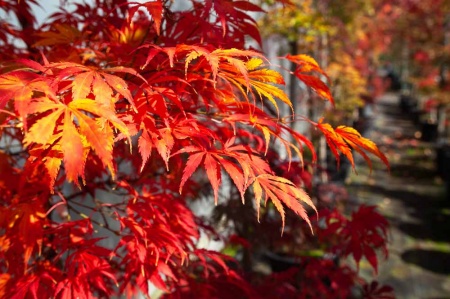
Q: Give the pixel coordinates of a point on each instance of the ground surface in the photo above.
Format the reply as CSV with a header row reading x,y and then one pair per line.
x,y
413,198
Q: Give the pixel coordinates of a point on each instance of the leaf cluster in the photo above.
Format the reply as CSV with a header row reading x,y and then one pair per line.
x,y
115,117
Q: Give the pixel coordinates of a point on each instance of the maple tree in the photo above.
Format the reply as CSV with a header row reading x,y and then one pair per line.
x,y
117,116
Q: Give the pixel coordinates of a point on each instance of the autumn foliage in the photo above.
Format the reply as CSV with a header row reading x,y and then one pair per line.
x,y
116,118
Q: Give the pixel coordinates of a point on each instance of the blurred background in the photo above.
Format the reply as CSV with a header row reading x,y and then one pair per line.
x,y
388,64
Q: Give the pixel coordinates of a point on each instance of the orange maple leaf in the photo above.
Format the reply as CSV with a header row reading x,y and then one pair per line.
x,y
100,82
306,64
359,143
281,191
69,130
343,139
22,86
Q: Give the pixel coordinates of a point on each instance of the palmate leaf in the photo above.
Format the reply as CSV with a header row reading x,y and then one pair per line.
x,y
216,59
255,78
69,130
164,143
262,122
239,176
22,86
16,85
145,147
343,139
164,137
229,10
361,235
197,155
192,164
359,143
213,172
365,232
235,58
71,146
161,139
154,8
281,191
306,64
248,113
266,125
335,142
100,82
196,52
259,80
210,164
232,65
250,170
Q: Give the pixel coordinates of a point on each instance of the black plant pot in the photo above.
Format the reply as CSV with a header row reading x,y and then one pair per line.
x,y
429,131
279,262
443,165
443,160
407,103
